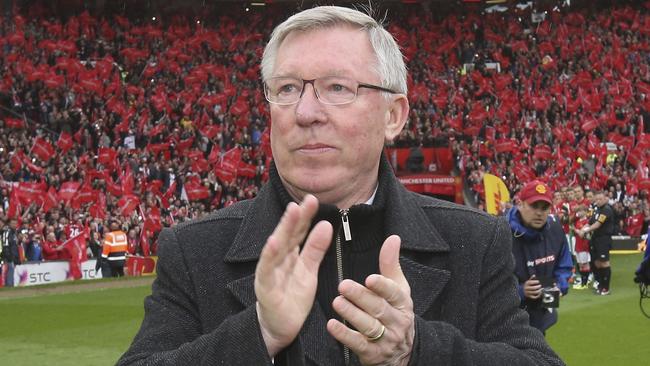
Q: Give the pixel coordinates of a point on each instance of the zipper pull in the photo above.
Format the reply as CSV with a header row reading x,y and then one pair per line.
x,y
346,224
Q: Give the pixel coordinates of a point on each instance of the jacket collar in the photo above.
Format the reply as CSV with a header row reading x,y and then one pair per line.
x,y
404,217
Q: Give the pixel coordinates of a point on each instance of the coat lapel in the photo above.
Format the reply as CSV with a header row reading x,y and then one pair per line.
x,y
312,334
420,239
258,224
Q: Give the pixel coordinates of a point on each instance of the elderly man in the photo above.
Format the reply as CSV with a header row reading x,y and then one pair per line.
x,y
361,271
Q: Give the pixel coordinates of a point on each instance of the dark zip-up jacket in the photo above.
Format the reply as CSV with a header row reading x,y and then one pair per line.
x,y
543,253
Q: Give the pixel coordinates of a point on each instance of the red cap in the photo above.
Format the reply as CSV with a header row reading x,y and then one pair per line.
x,y
536,191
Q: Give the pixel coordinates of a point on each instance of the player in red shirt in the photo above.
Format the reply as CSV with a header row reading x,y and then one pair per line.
x,y
75,228
582,249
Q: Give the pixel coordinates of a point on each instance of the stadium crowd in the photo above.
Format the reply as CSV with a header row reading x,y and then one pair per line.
x,y
154,124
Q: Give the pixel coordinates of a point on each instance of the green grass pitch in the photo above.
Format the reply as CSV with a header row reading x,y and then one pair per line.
x,y
94,327
604,330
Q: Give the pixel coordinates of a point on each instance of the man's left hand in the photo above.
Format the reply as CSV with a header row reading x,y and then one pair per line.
x,y
381,311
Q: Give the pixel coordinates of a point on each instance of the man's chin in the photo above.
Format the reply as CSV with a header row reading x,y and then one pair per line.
x,y
538,225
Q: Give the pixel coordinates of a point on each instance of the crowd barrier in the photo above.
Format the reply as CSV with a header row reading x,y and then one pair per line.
x,y
41,273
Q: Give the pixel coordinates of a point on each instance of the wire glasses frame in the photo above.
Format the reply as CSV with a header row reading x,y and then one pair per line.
x,y
330,90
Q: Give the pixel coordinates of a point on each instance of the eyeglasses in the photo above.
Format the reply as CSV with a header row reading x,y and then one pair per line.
x,y
330,90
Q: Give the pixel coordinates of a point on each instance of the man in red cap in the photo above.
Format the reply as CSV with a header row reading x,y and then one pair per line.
x,y
543,261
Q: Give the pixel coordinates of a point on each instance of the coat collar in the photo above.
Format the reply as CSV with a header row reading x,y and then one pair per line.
x,y
404,217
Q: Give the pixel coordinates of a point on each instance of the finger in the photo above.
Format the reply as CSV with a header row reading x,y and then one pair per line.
x,y
357,342
389,290
308,208
389,262
278,251
359,319
316,245
289,233
371,303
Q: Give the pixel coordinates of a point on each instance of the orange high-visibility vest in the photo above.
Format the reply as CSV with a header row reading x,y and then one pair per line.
x,y
115,246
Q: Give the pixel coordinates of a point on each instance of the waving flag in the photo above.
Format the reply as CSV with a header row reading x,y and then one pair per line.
x,y
496,193
76,247
42,149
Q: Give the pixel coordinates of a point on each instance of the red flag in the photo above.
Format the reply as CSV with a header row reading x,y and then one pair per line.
x,y
68,190
76,247
183,145
157,148
30,192
15,208
156,130
490,133
196,191
524,173
107,156
246,170
214,154
593,144
543,152
16,123
200,165
168,195
84,195
127,181
153,186
33,167
127,204
643,142
210,131
112,187
589,125
97,210
153,222
144,242
16,161
65,142
50,200
504,145
42,149
226,170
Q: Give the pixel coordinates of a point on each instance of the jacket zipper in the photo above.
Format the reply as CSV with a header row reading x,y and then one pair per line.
x,y
339,263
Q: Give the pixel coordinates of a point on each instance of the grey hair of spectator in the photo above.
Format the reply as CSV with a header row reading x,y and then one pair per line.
x,y
390,62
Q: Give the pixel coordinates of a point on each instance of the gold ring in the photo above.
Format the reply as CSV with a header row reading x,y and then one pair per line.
x,y
378,336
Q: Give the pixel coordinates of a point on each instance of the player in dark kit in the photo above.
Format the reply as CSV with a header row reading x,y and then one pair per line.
x,y
601,228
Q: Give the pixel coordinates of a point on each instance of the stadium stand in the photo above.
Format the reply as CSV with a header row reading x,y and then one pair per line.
x,y
154,123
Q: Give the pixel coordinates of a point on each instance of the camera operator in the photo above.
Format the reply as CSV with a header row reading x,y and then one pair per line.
x,y
542,259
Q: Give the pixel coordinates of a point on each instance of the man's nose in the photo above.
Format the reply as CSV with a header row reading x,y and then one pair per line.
x,y
309,109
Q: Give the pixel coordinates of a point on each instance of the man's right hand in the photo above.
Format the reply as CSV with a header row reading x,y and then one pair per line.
x,y
286,277
532,288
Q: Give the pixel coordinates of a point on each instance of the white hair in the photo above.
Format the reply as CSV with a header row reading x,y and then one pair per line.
x,y
390,62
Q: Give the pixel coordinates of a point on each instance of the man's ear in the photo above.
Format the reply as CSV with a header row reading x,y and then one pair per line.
x,y
396,117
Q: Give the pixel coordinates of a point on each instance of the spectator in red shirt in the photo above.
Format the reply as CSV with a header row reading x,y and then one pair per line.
x,y
52,249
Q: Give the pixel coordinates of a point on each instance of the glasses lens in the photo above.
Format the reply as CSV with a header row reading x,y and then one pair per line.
x,y
283,90
336,90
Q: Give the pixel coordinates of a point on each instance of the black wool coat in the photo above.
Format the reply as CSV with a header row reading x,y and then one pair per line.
x,y
457,261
